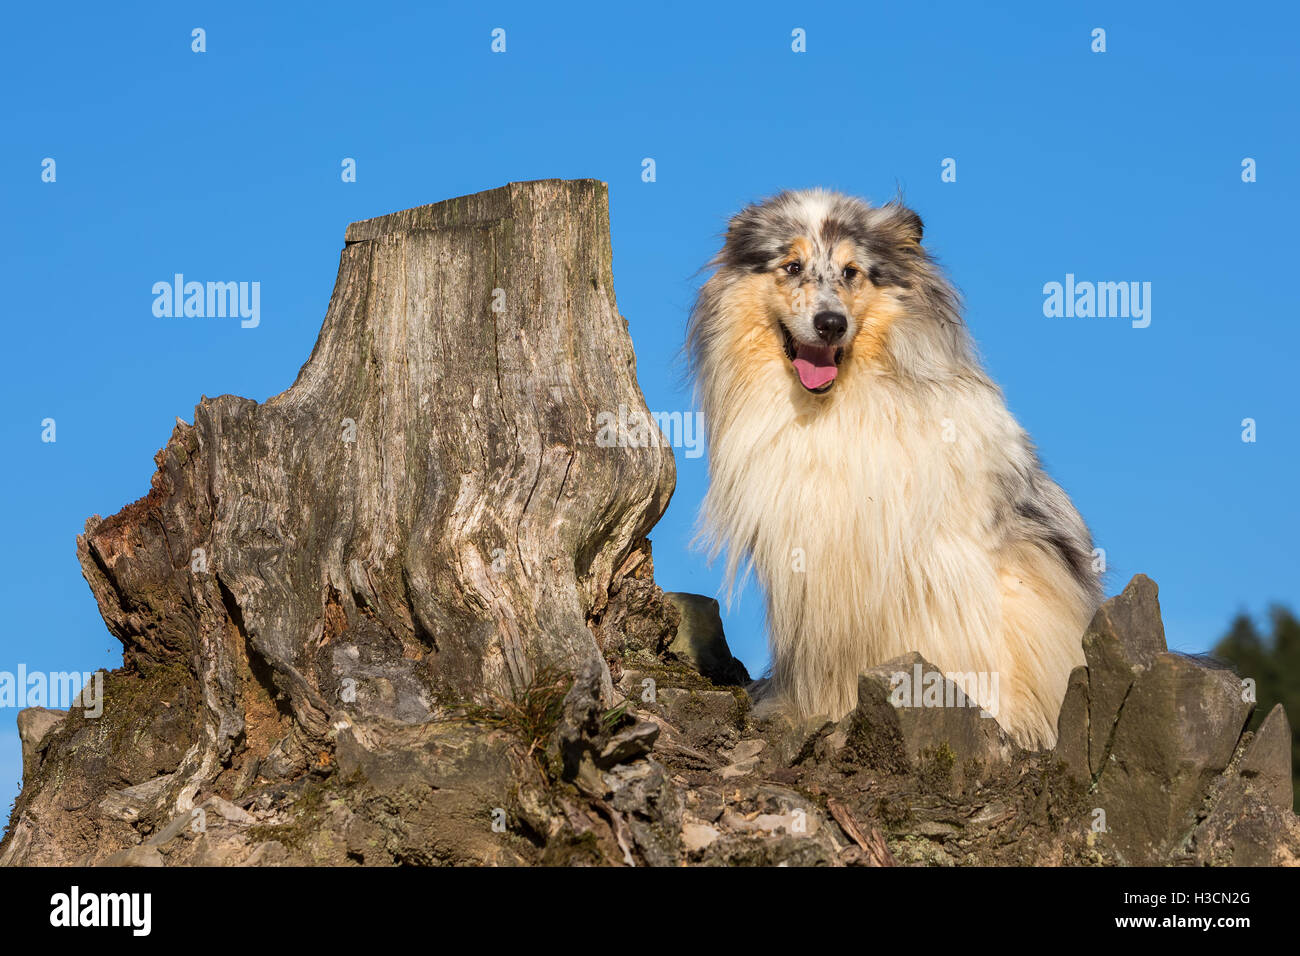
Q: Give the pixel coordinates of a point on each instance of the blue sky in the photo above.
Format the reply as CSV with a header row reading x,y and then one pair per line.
x,y
1115,166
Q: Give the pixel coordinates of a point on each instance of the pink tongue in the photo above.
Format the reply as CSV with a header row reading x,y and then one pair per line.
x,y
815,366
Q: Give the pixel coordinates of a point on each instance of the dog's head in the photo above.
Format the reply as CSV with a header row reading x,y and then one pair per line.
x,y
818,279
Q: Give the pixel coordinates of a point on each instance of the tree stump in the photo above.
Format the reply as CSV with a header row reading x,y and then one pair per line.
x,y
424,518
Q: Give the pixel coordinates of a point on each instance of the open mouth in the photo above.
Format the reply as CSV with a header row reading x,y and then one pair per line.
x,y
815,365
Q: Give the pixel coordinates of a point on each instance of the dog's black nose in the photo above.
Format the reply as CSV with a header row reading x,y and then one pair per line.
x,y
830,326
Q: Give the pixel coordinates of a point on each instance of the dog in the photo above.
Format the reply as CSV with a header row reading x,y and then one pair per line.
x,y
866,468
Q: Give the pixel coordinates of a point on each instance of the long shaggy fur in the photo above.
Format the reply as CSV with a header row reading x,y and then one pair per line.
x,y
902,510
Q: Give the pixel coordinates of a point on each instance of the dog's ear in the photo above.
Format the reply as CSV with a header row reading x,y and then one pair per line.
x,y
906,222
741,221
746,222
748,243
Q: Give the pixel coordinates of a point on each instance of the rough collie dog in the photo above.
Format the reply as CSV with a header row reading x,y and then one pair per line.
x,y
867,469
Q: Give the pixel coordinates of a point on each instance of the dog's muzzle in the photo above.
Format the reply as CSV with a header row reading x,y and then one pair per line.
x,y
815,365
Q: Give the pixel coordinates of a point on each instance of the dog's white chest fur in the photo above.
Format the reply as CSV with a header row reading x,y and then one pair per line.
x,y
871,525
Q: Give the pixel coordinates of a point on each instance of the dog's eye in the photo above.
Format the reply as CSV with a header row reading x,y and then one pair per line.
x,y
792,268
850,273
